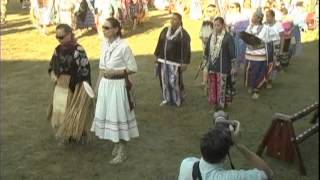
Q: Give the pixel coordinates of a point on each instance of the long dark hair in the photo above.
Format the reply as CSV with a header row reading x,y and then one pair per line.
x,y
115,24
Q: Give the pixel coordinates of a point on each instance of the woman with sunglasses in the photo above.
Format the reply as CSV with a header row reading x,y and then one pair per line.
x,y
71,107
114,116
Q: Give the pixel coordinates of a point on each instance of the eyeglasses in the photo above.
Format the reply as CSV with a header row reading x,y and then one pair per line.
x,y
106,27
60,37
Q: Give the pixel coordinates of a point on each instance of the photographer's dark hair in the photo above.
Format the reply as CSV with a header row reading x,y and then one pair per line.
x,y
215,145
115,24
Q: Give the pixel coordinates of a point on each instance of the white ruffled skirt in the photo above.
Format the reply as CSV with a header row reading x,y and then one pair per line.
x,y
113,119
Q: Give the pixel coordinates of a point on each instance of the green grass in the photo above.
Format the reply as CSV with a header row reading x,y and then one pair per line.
x,y
167,134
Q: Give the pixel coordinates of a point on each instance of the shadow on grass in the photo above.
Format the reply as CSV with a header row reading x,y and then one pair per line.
x,y
12,31
88,33
15,23
14,7
153,22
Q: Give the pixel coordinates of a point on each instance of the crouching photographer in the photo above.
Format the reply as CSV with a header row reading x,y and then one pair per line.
x,y
214,146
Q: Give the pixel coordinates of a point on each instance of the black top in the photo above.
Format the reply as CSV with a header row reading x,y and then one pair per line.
x,y
71,61
228,53
178,49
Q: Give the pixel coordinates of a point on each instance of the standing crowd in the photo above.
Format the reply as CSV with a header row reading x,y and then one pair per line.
x,y
82,14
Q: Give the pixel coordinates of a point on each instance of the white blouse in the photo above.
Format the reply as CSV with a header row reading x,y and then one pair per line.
x,y
117,55
273,32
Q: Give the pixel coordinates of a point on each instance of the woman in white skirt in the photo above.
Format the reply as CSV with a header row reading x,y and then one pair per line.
x,y
114,116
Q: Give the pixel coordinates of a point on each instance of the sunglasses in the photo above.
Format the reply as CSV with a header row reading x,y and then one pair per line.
x,y
106,27
60,37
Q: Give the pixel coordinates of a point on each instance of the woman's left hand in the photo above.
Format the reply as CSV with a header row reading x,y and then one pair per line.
x,y
108,72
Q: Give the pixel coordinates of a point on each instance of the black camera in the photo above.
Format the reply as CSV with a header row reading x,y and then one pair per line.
x,y
222,122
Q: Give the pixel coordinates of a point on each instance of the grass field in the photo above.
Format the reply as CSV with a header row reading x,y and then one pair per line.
x,y
167,134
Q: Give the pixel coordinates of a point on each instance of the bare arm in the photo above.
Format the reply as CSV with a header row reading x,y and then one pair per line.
x,y
255,160
112,72
101,73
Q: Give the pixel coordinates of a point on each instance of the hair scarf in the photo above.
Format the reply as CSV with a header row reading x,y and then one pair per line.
x,y
109,48
215,45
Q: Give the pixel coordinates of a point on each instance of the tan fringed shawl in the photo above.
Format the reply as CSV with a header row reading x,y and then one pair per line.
x,y
78,115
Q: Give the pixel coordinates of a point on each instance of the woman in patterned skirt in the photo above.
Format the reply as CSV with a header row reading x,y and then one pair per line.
x,y
114,116
220,54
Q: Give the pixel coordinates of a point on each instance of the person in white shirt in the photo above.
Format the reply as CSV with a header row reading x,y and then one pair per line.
x,y
237,22
256,57
274,32
3,10
65,10
247,8
205,32
214,147
104,10
114,118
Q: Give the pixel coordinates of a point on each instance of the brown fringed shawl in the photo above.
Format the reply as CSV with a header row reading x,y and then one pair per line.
x,y
71,59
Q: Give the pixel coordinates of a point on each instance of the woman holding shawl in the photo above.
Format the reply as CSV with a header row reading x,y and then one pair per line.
x,y
71,106
114,116
256,57
172,57
220,55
